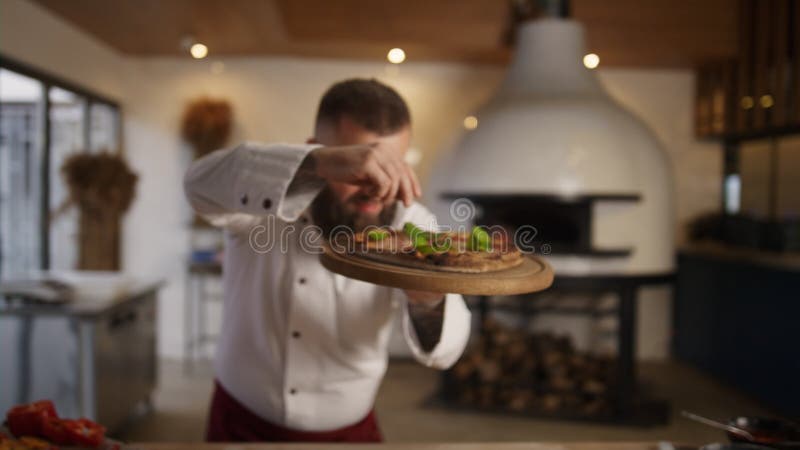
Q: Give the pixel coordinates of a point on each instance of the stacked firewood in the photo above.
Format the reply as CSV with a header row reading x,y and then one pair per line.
x,y
513,370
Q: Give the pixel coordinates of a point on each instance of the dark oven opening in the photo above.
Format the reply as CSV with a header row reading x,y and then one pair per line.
x,y
563,224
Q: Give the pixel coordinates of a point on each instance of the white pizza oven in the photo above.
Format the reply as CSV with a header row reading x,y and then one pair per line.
x,y
553,150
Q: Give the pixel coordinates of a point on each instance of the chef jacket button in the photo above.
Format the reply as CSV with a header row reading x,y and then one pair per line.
x,y
302,281
267,203
296,334
293,391
244,199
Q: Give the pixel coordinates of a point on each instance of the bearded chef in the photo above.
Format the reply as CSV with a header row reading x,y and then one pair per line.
x,y
302,350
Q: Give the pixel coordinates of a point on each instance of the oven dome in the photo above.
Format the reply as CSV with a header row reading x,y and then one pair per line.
x,y
551,129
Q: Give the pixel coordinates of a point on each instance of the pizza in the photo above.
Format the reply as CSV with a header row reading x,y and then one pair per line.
x,y
474,251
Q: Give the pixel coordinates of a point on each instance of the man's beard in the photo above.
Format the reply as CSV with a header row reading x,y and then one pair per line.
x,y
328,213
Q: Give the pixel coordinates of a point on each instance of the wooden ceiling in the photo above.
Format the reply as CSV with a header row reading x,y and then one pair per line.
x,y
632,33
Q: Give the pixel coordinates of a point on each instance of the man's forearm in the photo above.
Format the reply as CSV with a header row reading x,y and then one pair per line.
x,y
427,323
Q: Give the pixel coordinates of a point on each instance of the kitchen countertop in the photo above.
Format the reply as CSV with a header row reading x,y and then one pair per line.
x,y
93,293
409,446
789,261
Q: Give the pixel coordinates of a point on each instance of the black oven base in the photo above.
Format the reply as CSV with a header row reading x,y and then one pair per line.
x,y
630,403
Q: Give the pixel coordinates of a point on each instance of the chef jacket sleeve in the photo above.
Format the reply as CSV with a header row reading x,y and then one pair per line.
x,y
238,187
455,334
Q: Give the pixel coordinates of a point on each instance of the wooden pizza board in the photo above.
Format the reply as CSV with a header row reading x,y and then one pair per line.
x,y
532,275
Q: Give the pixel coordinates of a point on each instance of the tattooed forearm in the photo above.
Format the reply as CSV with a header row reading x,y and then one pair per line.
x,y
427,323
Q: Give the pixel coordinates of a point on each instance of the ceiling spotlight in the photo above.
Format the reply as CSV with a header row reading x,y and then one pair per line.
x,y
198,51
591,61
396,55
470,122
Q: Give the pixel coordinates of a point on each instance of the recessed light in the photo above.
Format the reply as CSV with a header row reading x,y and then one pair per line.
x,y
591,61
396,55
198,51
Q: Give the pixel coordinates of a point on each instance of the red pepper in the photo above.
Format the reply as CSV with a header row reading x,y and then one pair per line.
x,y
79,432
88,433
55,431
27,420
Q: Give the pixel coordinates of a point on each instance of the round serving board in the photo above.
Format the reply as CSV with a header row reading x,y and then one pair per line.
x,y
531,276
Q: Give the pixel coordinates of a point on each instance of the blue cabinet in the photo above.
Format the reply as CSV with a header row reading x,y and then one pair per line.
x,y
737,316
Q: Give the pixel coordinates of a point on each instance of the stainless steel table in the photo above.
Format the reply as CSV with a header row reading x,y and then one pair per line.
x,y
94,356
197,298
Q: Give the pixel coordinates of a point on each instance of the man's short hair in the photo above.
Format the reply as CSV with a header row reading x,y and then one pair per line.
x,y
369,103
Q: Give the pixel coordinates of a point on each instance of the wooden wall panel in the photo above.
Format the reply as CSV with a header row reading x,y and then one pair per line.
x,y
716,102
702,104
762,91
780,68
761,63
795,63
745,63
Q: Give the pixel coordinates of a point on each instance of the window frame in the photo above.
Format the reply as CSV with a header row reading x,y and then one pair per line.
x,y
92,97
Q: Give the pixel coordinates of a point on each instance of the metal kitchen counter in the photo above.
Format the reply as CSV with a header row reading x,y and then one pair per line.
x,y
96,293
787,261
94,356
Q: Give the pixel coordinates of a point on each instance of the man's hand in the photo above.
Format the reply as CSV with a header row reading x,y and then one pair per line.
x,y
381,171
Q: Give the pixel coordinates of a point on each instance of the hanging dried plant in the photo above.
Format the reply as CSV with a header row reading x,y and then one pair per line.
x,y
99,181
207,124
102,186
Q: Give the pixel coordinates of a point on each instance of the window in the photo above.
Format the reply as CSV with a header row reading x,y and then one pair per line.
x,y
104,128
67,116
43,121
20,172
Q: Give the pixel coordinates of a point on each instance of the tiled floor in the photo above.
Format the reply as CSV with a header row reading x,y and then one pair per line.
x,y
181,402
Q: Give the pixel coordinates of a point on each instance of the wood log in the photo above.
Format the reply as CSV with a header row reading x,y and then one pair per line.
x,y
489,371
521,400
594,387
551,403
463,369
519,372
562,383
486,396
594,407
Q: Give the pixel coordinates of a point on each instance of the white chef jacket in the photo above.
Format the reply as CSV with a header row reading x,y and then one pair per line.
x,y
300,346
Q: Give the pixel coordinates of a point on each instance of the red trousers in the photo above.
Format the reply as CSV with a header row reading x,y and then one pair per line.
x,y
230,421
